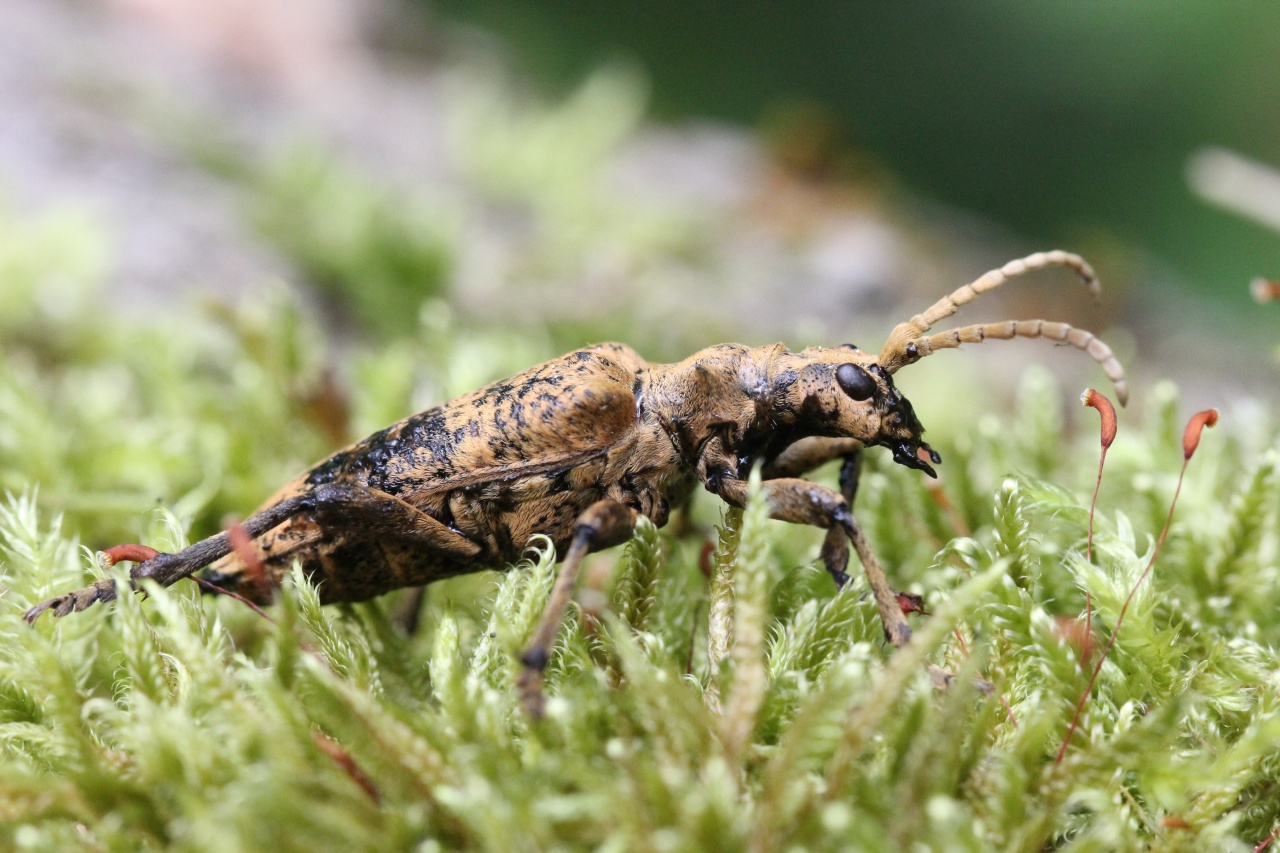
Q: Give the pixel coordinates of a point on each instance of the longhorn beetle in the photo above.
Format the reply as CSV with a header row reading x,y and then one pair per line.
x,y
578,447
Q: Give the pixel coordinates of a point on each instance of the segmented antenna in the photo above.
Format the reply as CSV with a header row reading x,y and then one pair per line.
x,y
908,342
1009,329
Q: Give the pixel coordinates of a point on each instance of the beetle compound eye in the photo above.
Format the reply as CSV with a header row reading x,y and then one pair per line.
x,y
855,381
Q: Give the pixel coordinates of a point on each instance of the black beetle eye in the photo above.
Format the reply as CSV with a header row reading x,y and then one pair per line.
x,y
855,381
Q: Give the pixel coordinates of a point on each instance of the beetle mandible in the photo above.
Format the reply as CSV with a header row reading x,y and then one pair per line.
x,y
578,447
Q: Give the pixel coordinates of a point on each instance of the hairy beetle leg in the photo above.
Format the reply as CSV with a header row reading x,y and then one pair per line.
x,y
379,513
835,548
803,502
369,516
408,613
74,602
167,569
604,524
103,590
801,457
896,629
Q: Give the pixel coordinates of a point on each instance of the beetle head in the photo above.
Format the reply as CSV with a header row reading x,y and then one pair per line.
x,y
899,428
842,392
847,392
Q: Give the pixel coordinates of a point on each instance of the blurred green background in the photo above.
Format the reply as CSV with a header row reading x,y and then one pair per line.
x,y
1066,122
667,174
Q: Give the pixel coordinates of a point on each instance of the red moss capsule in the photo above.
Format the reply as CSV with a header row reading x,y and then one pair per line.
x,y
1195,426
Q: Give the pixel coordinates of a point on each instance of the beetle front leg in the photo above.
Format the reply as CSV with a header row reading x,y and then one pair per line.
x,y
805,455
802,456
604,524
835,548
803,502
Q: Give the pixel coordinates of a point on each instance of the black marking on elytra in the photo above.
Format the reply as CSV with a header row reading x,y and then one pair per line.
x,y
499,425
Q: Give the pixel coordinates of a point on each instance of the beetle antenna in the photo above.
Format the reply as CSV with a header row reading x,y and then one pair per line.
x,y
908,342
947,305
1009,329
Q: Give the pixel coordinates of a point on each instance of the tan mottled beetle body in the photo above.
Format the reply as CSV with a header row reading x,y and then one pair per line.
x,y
577,447
585,434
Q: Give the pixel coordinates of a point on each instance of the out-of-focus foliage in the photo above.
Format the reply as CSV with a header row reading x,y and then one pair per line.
x,y
759,711
380,251
110,416
1049,118
527,227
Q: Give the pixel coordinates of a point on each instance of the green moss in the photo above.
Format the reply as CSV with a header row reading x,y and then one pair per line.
x,y
760,710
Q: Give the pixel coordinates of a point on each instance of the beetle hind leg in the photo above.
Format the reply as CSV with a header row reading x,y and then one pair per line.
x,y
167,569
376,513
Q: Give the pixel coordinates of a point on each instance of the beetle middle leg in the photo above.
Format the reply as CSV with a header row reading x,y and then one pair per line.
x,y
604,524
801,457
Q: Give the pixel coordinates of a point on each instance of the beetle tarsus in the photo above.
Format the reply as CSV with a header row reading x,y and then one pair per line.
x,y
164,568
75,601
